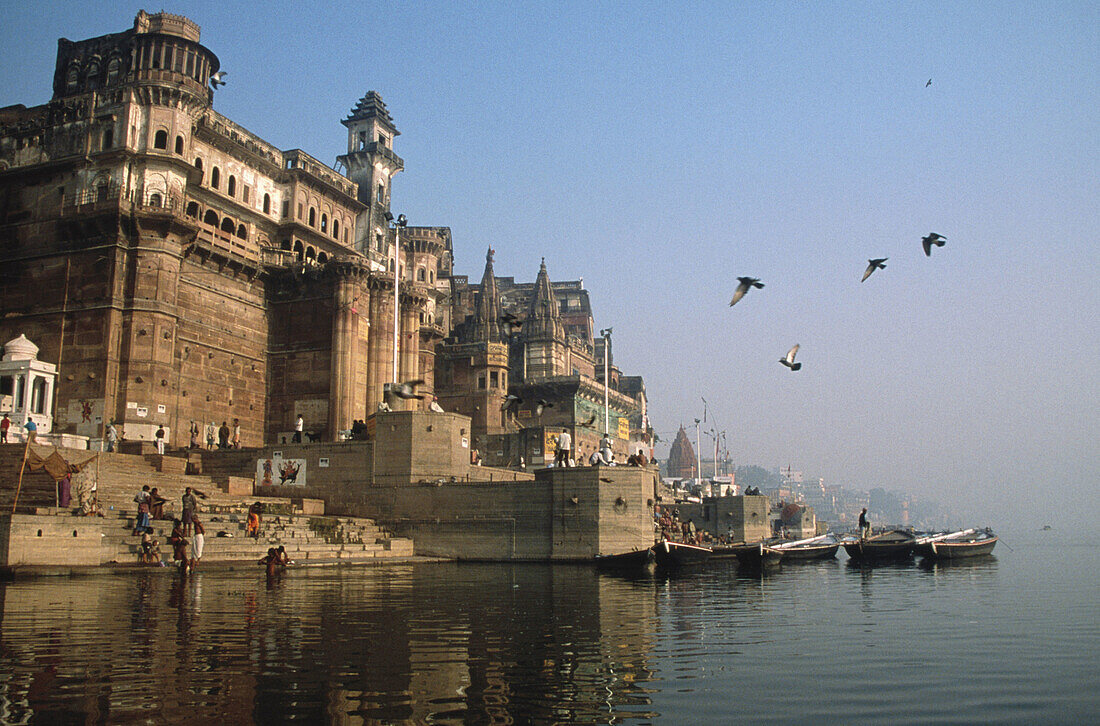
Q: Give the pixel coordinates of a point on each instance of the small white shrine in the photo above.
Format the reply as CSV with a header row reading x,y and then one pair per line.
x,y
26,388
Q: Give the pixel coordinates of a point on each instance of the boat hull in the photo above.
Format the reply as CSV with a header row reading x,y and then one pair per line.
x,y
758,555
895,545
638,559
679,554
957,550
813,552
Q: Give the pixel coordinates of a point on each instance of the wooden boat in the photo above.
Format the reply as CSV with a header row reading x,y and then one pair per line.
x,y
895,544
815,548
757,554
637,559
723,552
679,554
957,545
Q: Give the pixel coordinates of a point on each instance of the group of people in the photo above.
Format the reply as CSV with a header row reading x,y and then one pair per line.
x,y
675,530
603,456
221,436
30,426
276,560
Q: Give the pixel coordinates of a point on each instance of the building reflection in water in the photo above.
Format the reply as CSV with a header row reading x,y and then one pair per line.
x,y
478,643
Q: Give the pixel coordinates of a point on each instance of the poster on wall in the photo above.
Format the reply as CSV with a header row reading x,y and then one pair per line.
x,y
624,428
280,472
86,414
550,441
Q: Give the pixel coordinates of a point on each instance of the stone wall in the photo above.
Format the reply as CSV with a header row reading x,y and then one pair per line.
x,y
743,519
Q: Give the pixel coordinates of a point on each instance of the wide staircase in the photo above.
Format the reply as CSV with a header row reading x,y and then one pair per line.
x,y
307,538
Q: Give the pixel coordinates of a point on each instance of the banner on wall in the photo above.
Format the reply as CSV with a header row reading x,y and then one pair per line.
x,y
624,428
280,472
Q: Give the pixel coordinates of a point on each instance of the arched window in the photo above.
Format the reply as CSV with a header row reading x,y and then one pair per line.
x,y
91,78
336,229
242,232
155,200
322,258
285,244
312,217
381,197
420,274
211,218
72,78
299,250
227,226
431,276
215,177
324,223
160,140
193,209
179,145
311,254
198,163
345,236
267,204
231,185
113,67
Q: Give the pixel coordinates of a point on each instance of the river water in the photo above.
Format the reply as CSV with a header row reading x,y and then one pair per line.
x,y
1013,638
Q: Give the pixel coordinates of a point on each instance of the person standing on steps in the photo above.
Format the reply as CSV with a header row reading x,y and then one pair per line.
x,y
112,436
190,508
5,424
159,436
236,433
299,426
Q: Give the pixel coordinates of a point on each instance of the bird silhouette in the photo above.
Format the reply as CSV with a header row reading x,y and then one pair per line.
x,y
590,421
872,265
932,239
511,403
509,324
746,283
788,360
216,79
926,85
540,405
406,391
434,406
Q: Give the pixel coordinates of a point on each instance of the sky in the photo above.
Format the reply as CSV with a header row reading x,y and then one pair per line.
x,y
659,153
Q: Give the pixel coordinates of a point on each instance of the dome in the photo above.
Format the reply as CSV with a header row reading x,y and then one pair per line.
x,y
20,349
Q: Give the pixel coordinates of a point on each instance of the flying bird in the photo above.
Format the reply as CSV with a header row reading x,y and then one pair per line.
x,y
511,403
788,360
590,421
406,390
872,265
434,406
926,85
510,324
932,239
216,79
540,405
746,283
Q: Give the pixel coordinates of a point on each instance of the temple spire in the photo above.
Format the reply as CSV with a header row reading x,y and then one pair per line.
x,y
487,313
543,315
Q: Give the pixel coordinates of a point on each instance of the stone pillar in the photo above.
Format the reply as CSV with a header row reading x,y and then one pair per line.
x,y
410,347
381,343
345,338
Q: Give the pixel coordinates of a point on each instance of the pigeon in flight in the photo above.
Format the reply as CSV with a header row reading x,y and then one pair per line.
x,y
926,85
788,360
746,283
590,421
406,390
511,403
872,265
540,405
216,79
932,239
434,406
509,324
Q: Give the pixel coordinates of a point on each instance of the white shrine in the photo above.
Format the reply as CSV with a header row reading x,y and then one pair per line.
x,y
26,388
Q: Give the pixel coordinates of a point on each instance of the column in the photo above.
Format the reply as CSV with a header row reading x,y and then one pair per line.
x,y
345,335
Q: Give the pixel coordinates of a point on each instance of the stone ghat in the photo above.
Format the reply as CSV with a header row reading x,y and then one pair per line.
x,y
41,538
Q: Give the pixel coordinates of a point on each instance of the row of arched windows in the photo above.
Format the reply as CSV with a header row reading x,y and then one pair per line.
x,y
224,224
231,185
305,253
160,141
312,221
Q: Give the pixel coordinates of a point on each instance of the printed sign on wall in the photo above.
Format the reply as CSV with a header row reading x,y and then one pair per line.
x,y
624,428
280,472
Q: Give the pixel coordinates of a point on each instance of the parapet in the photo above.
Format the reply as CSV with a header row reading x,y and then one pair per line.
x,y
167,24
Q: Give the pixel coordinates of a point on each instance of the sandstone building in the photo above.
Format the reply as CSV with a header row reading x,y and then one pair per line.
x,y
178,268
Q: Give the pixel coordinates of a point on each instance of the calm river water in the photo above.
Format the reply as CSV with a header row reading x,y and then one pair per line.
x,y
1013,638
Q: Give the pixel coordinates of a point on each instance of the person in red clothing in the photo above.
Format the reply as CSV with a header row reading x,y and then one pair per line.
x,y
5,424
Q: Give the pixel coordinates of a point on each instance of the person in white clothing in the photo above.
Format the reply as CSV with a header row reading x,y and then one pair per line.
x,y
299,427
564,452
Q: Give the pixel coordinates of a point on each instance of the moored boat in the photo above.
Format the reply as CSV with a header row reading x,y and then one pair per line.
x,y
679,554
757,555
895,544
815,548
636,559
957,545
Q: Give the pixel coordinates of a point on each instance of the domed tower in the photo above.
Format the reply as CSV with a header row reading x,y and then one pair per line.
x,y
372,163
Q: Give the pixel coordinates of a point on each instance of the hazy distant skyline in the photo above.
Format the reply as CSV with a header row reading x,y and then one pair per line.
x,y
659,153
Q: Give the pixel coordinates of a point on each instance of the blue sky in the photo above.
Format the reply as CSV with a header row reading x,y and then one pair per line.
x,y
661,152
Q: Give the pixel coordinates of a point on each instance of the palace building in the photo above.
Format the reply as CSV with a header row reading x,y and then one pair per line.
x,y
177,268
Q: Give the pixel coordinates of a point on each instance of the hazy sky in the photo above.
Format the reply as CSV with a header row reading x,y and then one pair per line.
x,y
659,153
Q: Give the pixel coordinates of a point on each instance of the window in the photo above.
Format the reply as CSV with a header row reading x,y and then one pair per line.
x,y
481,382
336,228
112,70
227,226
215,177
431,276
179,145
379,243
382,139
198,163
286,209
245,191
362,140
160,140
72,78
108,138
420,275
210,218
494,379
193,209
155,200
345,236
101,192
324,223
312,217
299,210
242,232
299,250
231,185
381,196
267,204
